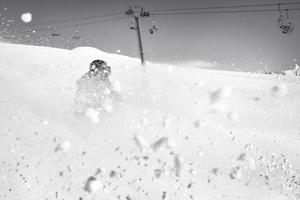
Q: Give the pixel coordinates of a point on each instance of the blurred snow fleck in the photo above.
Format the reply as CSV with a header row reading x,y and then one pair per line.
x,y
170,143
220,94
279,90
26,17
164,195
112,174
92,185
166,121
190,185
158,173
232,116
193,172
199,123
159,143
118,51
235,173
92,114
197,85
64,146
108,108
242,157
178,164
141,142
219,107
45,122
200,154
100,171
143,120
215,171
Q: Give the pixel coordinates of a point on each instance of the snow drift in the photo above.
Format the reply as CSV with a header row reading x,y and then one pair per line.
x,y
181,133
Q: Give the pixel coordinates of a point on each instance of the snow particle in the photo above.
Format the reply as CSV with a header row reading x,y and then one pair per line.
x,y
92,185
198,124
166,122
112,174
170,144
164,195
45,122
158,173
215,171
140,142
242,157
26,17
64,146
232,116
108,107
220,94
279,90
178,164
235,173
159,143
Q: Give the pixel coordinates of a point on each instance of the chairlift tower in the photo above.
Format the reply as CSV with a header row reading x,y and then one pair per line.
x,y
135,14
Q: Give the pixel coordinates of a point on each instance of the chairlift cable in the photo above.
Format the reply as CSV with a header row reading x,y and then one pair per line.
x,y
225,7
216,12
69,20
75,25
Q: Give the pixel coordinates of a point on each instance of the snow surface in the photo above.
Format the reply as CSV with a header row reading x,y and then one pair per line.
x,y
181,133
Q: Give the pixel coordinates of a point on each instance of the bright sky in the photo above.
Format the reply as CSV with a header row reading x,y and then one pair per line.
x,y
249,41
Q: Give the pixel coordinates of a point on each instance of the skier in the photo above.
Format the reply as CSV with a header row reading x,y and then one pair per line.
x,y
94,89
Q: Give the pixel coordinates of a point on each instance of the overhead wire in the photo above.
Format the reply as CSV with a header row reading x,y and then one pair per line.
x,y
222,11
173,11
69,20
225,7
54,28
162,12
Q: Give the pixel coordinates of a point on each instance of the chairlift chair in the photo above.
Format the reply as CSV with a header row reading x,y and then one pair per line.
x,y
76,37
284,22
131,25
55,34
154,28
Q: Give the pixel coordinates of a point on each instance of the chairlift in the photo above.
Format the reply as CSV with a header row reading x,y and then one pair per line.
x,y
154,28
55,34
131,25
129,11
281,18
284,22
10,37
76,37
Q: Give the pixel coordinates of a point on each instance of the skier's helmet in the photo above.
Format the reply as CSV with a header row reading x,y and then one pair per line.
x,y
101,67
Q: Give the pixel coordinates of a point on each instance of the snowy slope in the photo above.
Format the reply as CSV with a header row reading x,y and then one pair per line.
x,y
181,133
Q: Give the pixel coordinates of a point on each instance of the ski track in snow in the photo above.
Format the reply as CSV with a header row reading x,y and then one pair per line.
x,y
179,134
